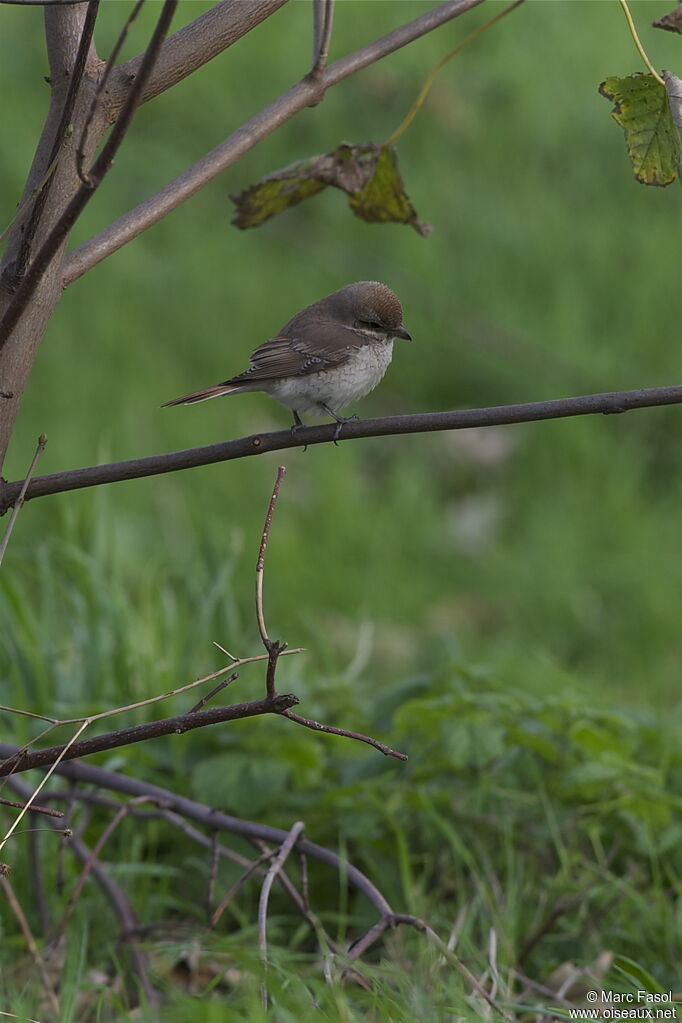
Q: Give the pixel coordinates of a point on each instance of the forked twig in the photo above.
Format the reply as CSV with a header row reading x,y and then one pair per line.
x,y
317,726
80,149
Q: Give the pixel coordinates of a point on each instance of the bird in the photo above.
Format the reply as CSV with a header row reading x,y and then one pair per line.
x,y
326,357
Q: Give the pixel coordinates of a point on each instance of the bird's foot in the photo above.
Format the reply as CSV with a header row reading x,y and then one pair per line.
x,y
340,421
298,425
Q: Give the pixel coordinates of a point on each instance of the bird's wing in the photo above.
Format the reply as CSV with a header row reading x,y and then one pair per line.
x,y
310,348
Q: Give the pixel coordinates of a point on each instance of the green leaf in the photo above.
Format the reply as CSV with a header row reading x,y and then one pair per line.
x,y
367,173
642,110
638,976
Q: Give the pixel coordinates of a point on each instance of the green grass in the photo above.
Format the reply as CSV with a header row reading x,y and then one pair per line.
x,y
504,605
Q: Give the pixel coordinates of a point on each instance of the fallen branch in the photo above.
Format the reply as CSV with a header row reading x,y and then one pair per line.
x,y
258,444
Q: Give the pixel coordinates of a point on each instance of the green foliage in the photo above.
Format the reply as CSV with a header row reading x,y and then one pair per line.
x,y
642,110
504,606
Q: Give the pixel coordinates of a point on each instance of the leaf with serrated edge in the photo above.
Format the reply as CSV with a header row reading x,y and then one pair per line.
x,y
642,110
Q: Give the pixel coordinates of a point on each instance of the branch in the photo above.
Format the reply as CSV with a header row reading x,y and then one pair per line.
x,y
211,818
60,232
258,444
178,725
193,46
75,79
305,93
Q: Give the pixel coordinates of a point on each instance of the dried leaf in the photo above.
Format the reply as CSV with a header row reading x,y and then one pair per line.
x,y
641,108
367,173
670,22
384,198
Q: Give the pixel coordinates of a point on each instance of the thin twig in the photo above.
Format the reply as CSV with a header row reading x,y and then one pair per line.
x,y
238,884
389,426
42,441
64,751
317,726
212,872
33,808
54,722
92,858
75,80
274,869
20,917
104,78
323,22
214,692
210,817
84,193
293,101
260,564
430,78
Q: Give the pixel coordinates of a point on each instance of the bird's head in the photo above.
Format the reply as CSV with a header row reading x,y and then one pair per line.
x,y
370,307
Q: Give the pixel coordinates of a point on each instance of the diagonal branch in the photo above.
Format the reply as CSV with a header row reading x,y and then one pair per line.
x,y
258,444
84,193
210,817
305,93
178,725
193,46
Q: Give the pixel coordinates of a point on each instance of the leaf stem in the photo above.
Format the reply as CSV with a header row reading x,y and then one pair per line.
x,y
424,91
638,44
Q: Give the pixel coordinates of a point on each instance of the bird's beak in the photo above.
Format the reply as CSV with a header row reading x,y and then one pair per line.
x,y
402,333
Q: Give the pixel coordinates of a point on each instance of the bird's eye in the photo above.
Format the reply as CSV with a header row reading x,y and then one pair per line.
x,y
373,324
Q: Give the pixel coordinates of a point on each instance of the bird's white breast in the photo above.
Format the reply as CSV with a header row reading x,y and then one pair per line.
x,y
339,386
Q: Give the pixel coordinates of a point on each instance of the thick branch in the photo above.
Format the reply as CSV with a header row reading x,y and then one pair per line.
x,y
305,93
60,232
258,444
213,819
177,725
193,46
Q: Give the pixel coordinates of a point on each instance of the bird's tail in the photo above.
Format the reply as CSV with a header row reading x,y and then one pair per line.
x,y
209,392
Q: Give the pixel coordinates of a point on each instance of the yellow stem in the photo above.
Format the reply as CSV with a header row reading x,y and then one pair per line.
x,y
636,40
423,92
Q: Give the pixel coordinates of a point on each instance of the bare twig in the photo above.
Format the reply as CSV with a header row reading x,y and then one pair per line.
x,y
238,884
177,725
33,808
323,21
213,872
274,869
20,917
260,564
42,192
104,78
84,193
317,726
42,441
214,692
210,818
303,94
424,422
92,858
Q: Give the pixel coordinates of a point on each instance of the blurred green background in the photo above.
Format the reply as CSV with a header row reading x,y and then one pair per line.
x,y
543,560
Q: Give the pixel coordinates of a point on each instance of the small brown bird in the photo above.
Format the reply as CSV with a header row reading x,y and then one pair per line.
x,y
329,355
